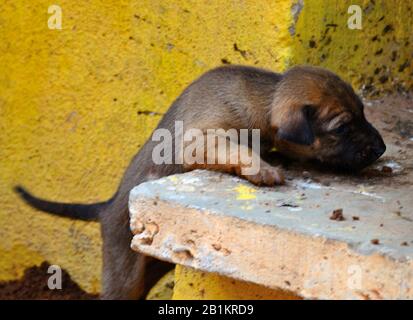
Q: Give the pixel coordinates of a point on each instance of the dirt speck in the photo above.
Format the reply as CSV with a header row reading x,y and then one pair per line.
x,y
226,252
33,286
404,128
326,183
375,241
337,215
386,169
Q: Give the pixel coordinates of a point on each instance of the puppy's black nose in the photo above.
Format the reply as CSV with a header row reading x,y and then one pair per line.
x,y
379,149
377,146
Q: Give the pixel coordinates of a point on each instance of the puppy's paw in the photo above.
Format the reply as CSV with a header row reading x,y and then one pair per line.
x,y
267,176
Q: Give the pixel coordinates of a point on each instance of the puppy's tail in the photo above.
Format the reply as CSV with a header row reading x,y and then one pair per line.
x,y
86,212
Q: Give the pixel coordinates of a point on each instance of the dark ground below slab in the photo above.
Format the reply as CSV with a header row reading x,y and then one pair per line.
x,y
33,285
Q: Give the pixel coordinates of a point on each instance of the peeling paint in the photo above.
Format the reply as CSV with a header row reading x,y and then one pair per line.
x,y
295,12
374,59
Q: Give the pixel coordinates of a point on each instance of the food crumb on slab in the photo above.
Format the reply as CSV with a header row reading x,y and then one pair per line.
x,y
337,215
386,169
375,241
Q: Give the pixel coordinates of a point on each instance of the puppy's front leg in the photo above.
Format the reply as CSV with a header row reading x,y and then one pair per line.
x,y
226,156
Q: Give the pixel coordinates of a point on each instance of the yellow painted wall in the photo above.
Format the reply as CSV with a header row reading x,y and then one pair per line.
x,y
378,58
191,284
69,102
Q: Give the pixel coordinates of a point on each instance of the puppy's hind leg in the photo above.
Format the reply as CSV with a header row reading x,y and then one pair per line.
x,y
123,268
123,272
128,275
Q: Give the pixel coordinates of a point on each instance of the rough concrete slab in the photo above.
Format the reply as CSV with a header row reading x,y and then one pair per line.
x,y
283,237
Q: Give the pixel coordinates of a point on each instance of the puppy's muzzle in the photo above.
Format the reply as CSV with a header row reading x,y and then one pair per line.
x,y
377,147
371,149
357,150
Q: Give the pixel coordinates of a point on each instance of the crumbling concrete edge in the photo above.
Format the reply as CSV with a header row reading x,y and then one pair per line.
x,y
312,267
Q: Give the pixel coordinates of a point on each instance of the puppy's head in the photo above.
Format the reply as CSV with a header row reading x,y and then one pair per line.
x,y
317,116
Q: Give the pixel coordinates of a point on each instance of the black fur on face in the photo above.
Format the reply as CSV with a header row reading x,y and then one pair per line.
x,y
352,146
299,127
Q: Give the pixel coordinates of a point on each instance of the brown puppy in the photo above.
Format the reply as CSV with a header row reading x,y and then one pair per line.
x,y
306,113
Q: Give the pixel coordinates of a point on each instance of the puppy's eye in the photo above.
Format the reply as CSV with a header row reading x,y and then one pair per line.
x,y
343,129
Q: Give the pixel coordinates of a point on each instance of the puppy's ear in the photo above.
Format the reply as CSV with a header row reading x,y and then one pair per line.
x,y
297,127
